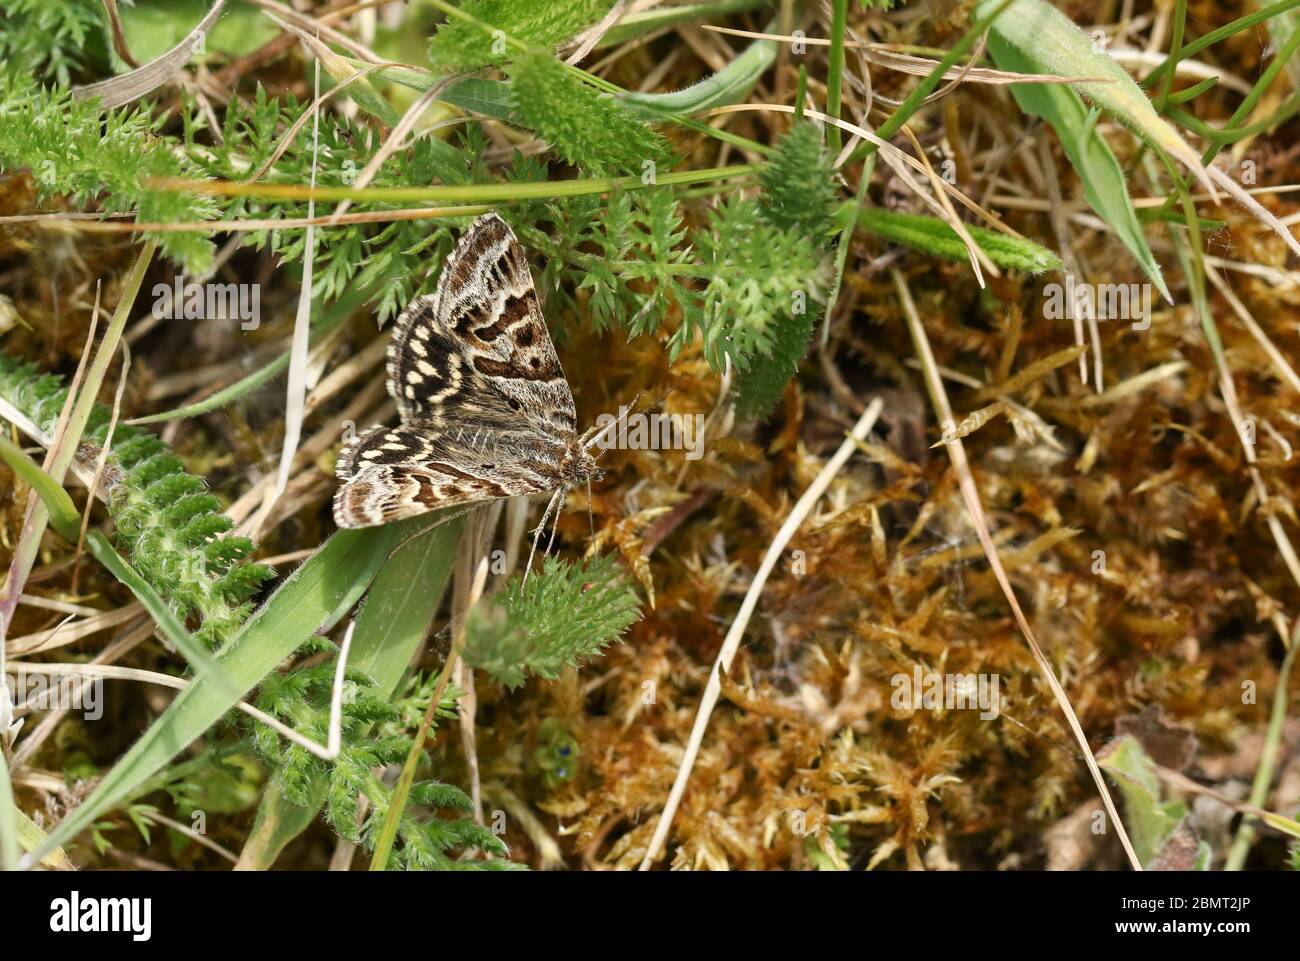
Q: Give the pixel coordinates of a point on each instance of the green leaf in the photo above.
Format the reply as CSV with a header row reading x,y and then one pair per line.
x,y
1151,820
933,236
561,616
1051,43
1103,179
729,85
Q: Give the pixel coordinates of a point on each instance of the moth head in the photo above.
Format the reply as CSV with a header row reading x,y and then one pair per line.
x,y
581,466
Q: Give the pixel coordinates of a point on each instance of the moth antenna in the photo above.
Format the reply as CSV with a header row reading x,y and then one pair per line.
x,y
590,438
591,520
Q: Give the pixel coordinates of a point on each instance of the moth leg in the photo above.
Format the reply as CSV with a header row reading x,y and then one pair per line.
x,y
555,527
537,533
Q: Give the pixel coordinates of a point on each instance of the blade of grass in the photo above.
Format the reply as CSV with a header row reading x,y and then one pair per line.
x,y
835,70
933,236
30,836
731,643
314,598
728,85
9,843
1245,835
394,620
471,579
1052,43
1103,180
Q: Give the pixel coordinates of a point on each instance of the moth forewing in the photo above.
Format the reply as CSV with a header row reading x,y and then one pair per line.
x,y
485,409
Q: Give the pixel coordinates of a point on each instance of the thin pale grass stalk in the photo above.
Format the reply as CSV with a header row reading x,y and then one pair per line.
x,y
52,604
393,142
397,803
265,223
318,26
70,631
131,638
326,752
548,852
731,644
587,42
1280,364
296,395
985,392
473,193
183,828
102,460
1267,759
882,55
970,494
978,257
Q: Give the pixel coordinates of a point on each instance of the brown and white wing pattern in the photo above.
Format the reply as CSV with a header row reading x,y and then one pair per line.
x,y
485,409
478,351
391,473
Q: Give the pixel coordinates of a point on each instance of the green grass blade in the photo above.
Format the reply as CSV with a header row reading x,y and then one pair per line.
x,y
1103,180
63,513
729,85
1051,43
9,843
932,235
30,836
398,610
312,599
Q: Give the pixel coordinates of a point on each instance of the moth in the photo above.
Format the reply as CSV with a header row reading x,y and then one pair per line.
x,y
485,409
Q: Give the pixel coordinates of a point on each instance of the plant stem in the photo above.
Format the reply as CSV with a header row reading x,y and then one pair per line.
x,y
1267,759
835,69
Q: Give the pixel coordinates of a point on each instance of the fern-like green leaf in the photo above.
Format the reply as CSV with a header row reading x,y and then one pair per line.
x,y
462,45
561,616
587,128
